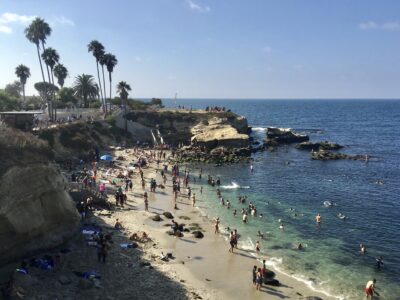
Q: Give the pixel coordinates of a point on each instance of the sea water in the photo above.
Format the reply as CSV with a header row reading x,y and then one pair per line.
x,y
286,184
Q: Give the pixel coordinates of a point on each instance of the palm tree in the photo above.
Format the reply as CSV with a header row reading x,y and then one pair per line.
x,y
122,89
23,73
97,50
61,73
85,87
50,57
110,61
102,62
33,34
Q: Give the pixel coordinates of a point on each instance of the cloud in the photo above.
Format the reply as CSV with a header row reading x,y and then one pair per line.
x,y
61,20
388,26
267,49
5,29
197,7
7,18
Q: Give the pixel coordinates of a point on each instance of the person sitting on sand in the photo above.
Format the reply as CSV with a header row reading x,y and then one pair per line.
x,y
118,225
174,226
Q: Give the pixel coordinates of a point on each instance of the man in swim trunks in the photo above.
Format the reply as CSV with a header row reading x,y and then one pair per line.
x,y
369,288
318,219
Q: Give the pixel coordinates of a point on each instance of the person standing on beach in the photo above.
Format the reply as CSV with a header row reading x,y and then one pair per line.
x,y
231,241
216,226
146,202
258,247
254,275
194,199
258,279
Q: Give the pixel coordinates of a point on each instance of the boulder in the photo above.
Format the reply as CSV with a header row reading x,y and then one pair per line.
x,y
283,136
269,274
36,210
272,282
168,215
157,218
198,234
313,298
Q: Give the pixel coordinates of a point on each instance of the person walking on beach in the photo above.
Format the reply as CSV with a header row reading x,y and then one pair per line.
x,y
194,199
216,226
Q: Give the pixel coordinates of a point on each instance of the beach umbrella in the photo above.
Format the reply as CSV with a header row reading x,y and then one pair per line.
x,y
106,157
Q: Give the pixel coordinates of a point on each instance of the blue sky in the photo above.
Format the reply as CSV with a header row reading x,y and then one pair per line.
x,y
219,48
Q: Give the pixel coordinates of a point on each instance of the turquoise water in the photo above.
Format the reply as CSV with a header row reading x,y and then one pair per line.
x,y
288,179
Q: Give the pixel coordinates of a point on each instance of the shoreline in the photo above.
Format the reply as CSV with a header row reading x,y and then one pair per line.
x,y
205,253
201,268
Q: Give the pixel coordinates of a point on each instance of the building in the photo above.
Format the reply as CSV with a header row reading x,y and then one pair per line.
x,y
19,119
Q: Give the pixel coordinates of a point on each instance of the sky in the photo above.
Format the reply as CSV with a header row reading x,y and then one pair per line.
x,y
218,48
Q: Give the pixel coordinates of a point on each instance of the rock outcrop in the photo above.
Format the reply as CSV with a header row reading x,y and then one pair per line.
x,y
36,211
328,155
276,136
318,146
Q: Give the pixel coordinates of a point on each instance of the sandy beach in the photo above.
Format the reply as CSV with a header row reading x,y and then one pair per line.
x,y
201,265
200,268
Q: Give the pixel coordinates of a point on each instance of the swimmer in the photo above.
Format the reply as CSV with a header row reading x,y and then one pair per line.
x,y
300,247
234,213
258,247
379,262
260,234
228,204
244,218
363,249
260,216
318,219
281,227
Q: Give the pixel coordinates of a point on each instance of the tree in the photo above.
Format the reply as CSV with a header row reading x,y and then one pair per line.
x,y
14,89
23,73
37,32
85,88
97,50
8,102
66,96
110,61
61,73
102,62
50,57
123,88
46,91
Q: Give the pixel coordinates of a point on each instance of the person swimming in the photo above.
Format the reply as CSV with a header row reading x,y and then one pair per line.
x,y
379,262
259,234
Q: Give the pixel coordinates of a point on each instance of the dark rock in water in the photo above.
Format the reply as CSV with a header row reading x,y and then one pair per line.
x,y
276,136
328,155
198,234
273,282
186,230
184,217
313,298
157,218
168,215
268,274
64,280
318,146
144,264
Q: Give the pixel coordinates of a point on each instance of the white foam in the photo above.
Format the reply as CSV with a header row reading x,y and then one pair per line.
x,y
234,185
259,128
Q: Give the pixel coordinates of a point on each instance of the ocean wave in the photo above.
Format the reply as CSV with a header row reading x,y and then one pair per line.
x,y
234,185
259,128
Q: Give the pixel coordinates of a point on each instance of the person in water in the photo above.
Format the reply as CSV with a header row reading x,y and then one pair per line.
x,y
363,249
370,289
318,219
379,262
259,234
258,247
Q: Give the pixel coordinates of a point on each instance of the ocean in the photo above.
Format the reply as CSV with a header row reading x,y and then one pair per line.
x,y
286,184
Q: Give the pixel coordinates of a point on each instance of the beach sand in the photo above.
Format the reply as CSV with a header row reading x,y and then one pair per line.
x,y
201,268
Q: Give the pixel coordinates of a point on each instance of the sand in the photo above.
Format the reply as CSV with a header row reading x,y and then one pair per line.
x,y
201,268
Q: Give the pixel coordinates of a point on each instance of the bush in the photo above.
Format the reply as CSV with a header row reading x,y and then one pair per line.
x,y
47,135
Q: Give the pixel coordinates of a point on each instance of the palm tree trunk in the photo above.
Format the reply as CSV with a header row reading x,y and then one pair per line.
x,y
110,85
40,61
126,119
101,91
47,66
104,86
23,93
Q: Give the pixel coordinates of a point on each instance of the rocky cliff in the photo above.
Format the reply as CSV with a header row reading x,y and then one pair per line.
x,y
209,129
36,211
